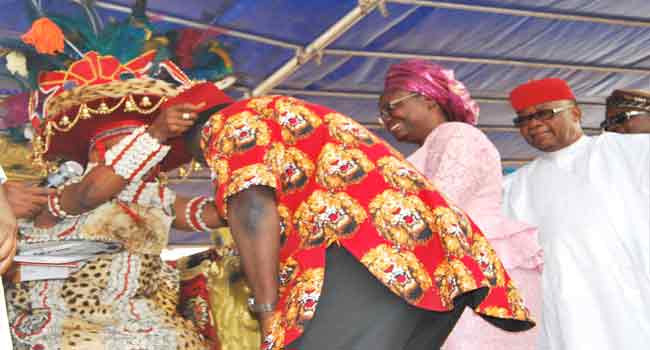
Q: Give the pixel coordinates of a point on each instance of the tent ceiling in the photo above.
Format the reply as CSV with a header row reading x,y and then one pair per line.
x,y
493,45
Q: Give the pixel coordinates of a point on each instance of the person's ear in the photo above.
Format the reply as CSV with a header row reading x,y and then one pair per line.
x,y
429,102
576,114
432,105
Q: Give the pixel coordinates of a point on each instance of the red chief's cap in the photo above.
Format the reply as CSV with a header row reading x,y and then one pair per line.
x,y
536,92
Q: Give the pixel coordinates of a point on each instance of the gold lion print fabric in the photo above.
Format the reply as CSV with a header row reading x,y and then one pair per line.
x,y
337,183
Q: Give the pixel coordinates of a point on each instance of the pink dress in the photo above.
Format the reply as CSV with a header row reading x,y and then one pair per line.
x,y
462,162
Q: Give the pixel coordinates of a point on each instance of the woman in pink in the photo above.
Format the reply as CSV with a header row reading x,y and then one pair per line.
x,y
424,104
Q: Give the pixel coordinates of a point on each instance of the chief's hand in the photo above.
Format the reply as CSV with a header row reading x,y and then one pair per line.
x,y
174,121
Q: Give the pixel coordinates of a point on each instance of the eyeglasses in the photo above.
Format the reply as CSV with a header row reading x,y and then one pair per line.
x,y
388,108
620,118
544,114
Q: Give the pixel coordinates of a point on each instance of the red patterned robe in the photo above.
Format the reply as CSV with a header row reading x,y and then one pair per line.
x,y
336,183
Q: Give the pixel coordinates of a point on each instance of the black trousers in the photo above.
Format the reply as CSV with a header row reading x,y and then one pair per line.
x,y
357,312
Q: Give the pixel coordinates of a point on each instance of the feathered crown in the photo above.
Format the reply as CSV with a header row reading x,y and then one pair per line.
x,y
78,69
55,41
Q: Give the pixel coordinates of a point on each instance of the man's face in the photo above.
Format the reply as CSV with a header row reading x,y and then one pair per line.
x,y
555,133
639,124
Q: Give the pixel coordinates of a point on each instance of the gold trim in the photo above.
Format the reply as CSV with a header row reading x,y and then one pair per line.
x,y
192,167
67,100
81,96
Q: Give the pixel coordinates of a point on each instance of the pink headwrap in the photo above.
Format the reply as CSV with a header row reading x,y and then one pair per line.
x,y
436,83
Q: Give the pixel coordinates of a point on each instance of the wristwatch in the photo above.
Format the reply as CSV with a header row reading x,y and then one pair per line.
x,y
259,308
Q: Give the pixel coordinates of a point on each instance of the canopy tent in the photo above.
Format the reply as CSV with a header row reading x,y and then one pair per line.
x,y
337,52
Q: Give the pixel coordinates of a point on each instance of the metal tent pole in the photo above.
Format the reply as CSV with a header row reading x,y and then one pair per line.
x,y
375,96
527,13
315,48
493,61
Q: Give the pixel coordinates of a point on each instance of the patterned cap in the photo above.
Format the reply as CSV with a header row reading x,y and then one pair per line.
x,y
633,99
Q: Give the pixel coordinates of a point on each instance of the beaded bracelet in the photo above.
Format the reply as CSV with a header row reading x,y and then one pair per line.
x,y
135,155
54,205
194,212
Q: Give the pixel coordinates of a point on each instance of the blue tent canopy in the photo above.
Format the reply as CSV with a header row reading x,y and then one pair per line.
x,y
337,52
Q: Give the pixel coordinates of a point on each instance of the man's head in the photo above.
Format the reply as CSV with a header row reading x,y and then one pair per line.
x,y
193,136
409,117
211,99
418,96
628,112
547,114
